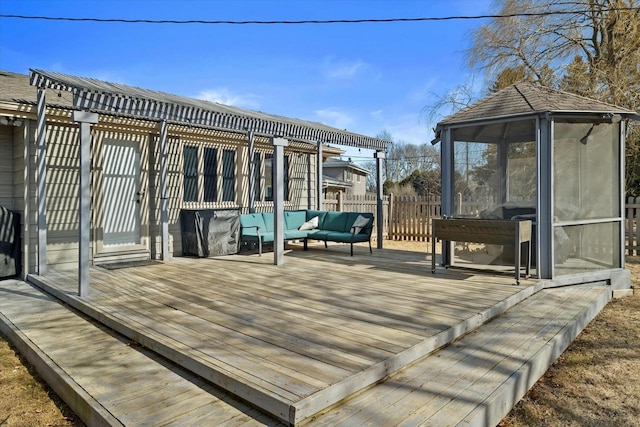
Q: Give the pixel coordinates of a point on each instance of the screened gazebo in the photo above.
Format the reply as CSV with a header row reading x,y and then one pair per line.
x,y
555,158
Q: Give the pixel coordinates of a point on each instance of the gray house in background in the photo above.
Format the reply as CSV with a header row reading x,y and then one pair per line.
x,y
344,175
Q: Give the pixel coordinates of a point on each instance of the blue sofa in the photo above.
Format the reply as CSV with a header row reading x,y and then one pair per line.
x,y
332,227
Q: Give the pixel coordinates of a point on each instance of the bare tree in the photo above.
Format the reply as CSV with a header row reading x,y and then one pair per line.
x,y
590,47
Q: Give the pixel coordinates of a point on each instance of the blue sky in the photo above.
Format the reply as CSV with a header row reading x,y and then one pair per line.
x,y
362,77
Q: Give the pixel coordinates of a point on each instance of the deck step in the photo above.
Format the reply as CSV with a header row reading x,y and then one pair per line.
x,y
478,379
104,379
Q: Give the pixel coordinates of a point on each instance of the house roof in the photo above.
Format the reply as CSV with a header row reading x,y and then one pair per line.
x,y
328,181
339,163
115,98
527,98
15,88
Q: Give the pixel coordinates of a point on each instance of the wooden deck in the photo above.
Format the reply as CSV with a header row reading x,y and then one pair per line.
x,y
102,377
298,338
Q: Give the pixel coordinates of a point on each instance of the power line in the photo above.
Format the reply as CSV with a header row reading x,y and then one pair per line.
x,y
312,21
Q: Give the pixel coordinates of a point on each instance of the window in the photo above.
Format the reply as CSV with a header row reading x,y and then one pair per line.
x,y
210,174
228,175
190,171
268,177
286,177
256,176
359,177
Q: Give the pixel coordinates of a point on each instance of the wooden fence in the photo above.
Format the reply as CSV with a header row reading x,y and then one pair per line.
x,y
632,226
409,217
364,203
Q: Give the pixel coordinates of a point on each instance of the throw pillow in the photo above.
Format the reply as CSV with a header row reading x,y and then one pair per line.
x,y
310,225
360,223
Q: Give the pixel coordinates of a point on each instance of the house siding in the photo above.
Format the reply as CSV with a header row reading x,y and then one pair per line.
x,y
6,167
62,196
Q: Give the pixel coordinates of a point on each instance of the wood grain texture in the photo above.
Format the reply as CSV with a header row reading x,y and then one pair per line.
x,y
297,338
104,379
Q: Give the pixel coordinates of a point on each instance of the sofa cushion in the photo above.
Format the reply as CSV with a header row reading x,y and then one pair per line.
x,y
320,214
294,219
335,221
252,220
312,224
266,237
295,234
318,234
267,217
359,224
345,237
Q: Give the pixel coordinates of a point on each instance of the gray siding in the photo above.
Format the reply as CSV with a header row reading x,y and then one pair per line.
x,y
6,167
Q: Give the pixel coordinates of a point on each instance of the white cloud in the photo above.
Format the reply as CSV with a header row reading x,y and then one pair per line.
x,y
407,128
377,114
334,117
227,97
343,70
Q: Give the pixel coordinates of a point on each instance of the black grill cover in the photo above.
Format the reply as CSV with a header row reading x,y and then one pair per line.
x,y
210,232
9,243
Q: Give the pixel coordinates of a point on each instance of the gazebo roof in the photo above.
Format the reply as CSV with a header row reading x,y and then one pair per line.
x,y
115,98
525,98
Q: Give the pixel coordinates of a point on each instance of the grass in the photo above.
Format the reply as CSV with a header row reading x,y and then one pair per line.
x,y
26,399
596,382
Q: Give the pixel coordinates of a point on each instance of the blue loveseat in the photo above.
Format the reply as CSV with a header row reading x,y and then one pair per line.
x,y
332,227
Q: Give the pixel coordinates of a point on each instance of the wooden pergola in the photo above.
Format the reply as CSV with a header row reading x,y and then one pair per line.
x,y
94,97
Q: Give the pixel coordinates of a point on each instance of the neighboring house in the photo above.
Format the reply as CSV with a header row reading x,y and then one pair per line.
x,y
199,150
344,175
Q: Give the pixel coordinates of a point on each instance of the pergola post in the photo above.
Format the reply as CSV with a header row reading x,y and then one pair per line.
x,y
26,210
278,199
41,178
86,119
252,172
164,200
319,192
446,179
380,156
544,229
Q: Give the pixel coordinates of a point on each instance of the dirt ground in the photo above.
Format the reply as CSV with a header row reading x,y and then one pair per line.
x,y
596,382
25,399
